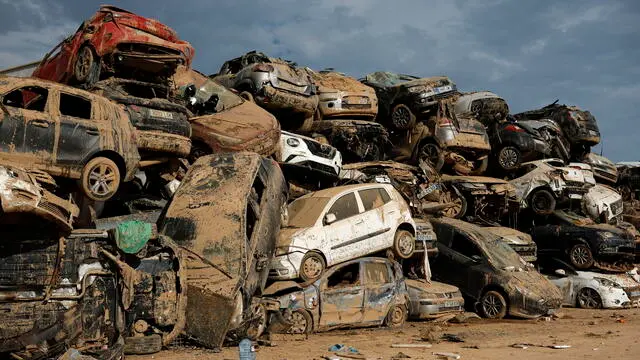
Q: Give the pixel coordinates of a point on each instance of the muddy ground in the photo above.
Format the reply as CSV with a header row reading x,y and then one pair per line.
x,y
592,334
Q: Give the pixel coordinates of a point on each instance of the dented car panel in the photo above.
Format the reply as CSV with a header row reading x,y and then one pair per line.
x,y
356,293
341,96
484,263
225,214
20,193
603,169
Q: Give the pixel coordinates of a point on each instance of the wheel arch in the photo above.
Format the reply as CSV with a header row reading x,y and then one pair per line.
x,y
497,288
408,227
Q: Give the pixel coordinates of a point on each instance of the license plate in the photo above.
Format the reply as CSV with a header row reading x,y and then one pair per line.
x,y
575,196
161,114
450,304
359,100
634,293
428,190
424,237
442,89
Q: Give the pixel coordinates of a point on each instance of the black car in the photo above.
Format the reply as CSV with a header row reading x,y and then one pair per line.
x,y
585,243
579,126
403,99
514,142
489,273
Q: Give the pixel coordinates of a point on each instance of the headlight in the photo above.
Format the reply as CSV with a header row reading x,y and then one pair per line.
x,y
293,142
607,282
416,89
606,235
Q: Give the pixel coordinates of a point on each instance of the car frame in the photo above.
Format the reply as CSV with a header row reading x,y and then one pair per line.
x,y
604,170
357,140
603,204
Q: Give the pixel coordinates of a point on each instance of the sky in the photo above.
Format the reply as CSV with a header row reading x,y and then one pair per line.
x,y
582,52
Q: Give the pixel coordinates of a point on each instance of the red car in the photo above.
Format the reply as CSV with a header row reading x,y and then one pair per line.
x,y
111,40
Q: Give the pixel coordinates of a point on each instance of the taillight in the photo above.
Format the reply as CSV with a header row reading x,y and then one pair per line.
x,y
263,67
513,128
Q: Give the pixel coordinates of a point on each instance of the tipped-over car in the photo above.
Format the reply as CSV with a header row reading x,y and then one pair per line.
x,y
275,84
485,106
115,41
490,273
304,152
334,225
69,133
341,96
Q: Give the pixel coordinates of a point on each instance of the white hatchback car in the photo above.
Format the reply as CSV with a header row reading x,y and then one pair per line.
x,y
309,153
338,224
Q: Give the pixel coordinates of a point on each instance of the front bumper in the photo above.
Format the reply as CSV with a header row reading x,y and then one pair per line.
x,y
348,106
162,142
282,100
424,102
433,308
615,298
285,267
530,309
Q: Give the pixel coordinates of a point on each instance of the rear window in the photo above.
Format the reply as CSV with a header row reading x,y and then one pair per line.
x,y
373,198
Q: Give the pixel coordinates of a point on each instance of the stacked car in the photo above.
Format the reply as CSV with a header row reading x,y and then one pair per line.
x,y
272,197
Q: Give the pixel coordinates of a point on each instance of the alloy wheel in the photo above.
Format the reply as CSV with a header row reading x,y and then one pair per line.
x,y
405,244
312,268
299,323
580,255
102,179
401,117
491,305
589,299
508,158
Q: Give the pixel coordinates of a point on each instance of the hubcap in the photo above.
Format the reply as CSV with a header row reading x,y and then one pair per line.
x,y
312,268
541,203
508,158
400,117
580,255
491,305
455,210
405,244
101,179
430,153
589,299
299,323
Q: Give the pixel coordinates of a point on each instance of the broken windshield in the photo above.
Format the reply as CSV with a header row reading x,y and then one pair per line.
x,y
499,253
227,99
304,212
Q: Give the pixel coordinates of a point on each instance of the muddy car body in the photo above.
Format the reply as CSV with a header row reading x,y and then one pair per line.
x,y
592,290
305,152
604,170
603,204
224,122
541,184
357,293
485,106
341,96
357,140
520,242
629,180
275,84
112,40
584,243
339,224
20,193
69,133
490,273
162,127
226,214
578,126
404,99
428,300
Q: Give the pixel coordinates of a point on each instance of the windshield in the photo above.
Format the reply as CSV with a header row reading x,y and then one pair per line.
x,y
501,254
304,212
227,98
389,79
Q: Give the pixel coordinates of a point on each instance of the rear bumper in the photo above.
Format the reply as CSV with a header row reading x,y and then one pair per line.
x,y
282,100
432,308
349,106
161,142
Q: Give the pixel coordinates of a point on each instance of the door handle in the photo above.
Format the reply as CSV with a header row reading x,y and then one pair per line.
x,y
392,211
93,132
40,123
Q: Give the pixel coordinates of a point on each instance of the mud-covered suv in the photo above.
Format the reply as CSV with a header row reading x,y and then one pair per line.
x,y
277,85
486,106
69,133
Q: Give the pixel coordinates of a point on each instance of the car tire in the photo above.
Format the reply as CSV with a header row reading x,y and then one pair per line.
x,y
312,266
404,244
396,316
509,158
402,118
432,155
247,96
86,69
100,179
301,321
493,305
581,257
260,324
141,345
460,204
588,298
542,202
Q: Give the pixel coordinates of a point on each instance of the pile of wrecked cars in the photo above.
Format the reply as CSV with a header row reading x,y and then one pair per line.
x,y
274,198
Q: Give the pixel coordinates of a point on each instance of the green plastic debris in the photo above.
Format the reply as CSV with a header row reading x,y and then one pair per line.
x,y
132,236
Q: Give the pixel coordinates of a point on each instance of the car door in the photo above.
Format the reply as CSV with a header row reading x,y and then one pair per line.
x,y
28,126
546,238
345,237
79,129
379,290
342,296
379,215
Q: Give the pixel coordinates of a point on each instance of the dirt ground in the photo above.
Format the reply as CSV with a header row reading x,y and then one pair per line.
x,y
592,334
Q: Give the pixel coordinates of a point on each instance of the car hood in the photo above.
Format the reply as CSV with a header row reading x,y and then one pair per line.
x,y
625,279
535,125
511,236
288,235
435,81
246,121
533,284
422,288
291,74
333,82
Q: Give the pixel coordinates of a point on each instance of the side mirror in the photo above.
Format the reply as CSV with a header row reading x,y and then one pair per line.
x,y
330,218
476,258
561,272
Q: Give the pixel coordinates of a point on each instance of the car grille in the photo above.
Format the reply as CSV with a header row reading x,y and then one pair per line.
x,y
147,49
616,207
317,166
55,210
322,150
524,250
356,102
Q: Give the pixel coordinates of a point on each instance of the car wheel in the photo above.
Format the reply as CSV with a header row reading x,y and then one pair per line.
x,y
402,118
404,244
459,207
301,322
140,345
259,324
476,107
86,68
100,179
247,96
312,266
493,305
589,299
509,158
396,316
542,202
432,155
581,257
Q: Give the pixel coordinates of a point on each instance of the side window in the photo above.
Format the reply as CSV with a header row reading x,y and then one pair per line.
x,y
28,97
75,106
347,276
253,206
376,273
346,206
463,246
373,198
